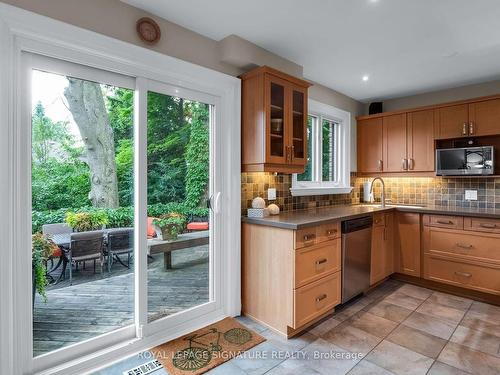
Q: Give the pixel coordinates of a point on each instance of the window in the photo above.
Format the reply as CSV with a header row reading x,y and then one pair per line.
x,y
328,143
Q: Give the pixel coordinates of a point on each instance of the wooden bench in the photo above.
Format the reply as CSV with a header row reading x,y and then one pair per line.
x,y
183,241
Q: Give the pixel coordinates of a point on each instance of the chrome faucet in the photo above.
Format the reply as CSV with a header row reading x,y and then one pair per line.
x,y
382,198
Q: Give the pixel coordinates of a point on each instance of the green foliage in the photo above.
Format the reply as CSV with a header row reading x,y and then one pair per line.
x,y
118,217
85,221
198,156
60,184
170,224
42,248
125,171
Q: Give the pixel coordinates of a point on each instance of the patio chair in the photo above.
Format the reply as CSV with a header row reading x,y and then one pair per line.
x,y
85,246
120,241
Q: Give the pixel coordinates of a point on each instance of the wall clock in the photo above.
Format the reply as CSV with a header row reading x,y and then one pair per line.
x,y
148,30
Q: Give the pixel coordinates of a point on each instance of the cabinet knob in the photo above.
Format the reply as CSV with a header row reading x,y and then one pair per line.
x,y
321,298
309,237
331,232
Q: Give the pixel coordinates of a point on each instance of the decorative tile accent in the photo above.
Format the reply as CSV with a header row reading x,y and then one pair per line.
x,y
404,190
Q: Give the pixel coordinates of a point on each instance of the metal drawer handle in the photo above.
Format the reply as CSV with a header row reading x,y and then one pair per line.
x,y
321,261
446,222
309,237
464,246
321,298
489,226
331,231
464,274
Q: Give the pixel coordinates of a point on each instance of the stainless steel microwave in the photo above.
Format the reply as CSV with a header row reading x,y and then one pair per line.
x,y
465,161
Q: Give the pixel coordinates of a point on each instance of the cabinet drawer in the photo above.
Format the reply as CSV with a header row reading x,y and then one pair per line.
x,y
306,237
312,263
471,276
379,220
328,231
315,299
482,225
482,247
443,221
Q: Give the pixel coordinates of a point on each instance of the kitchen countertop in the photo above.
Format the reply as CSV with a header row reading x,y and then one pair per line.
x,y
310,217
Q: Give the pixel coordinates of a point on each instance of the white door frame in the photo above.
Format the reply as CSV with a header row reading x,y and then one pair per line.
x,y
24,31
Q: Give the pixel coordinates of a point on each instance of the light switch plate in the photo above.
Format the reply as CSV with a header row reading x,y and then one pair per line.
x,y
471,195
271,194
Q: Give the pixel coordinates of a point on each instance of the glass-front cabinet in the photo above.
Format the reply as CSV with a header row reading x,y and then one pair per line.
x,y
274,115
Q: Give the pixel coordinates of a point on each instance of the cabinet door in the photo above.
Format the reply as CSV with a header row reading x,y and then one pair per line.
x,y
389,245
298,133
484,117
276,105
421,141
377,268
452,121
395,143
408,243
370,145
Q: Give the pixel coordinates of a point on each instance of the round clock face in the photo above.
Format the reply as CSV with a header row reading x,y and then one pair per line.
x,y
148,30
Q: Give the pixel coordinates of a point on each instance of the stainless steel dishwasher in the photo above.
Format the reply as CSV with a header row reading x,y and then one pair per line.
x,y
356,256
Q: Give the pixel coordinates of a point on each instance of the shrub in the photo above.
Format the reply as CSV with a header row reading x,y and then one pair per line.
x,y
84,221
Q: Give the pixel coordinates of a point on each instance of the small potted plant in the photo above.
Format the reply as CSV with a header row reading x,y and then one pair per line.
x,y
169,226
86,221
42,248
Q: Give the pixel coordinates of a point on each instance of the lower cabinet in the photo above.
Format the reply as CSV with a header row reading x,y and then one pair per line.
x,y
290,279
382,257
468,257
407,243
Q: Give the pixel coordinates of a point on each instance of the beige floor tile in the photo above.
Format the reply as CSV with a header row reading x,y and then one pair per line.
x,y
484,311
403,300
480,325
415,291
417,341
367,368
328,359
389,311
292,367
345,312
433,326
469,360
441,312
478,340
449,300
399,360
323,327
439,368
372,324
352,339
292,344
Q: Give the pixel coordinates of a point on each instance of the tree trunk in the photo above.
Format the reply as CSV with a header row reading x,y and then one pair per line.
x,y
86,104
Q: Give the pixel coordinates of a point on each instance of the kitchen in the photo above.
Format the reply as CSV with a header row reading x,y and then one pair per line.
x,y
284,188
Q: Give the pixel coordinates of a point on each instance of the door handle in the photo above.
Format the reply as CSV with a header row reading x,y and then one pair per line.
x,y
321,261
411,164
380,164
292,151
217,203
403,164
464,246
489,226
464,129
471,128
321,298
444,222
464,274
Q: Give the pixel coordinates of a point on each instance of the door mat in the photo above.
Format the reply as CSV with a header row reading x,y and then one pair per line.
x,y
206,348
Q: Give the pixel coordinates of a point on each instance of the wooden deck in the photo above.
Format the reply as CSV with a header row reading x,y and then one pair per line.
x,y
97,304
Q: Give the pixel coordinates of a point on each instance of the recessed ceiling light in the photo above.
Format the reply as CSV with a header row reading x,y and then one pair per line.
x,y
365,78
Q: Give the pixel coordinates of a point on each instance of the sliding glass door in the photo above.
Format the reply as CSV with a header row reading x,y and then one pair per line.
x,y
124,206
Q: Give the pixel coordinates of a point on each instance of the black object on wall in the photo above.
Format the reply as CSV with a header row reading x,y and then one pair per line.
x,y
375,107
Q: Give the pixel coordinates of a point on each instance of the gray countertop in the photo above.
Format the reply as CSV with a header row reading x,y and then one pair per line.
x,y
315,216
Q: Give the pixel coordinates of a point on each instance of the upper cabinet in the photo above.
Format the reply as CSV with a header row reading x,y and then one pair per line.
x,y
467,120
370,147
274,122
420,128
395,150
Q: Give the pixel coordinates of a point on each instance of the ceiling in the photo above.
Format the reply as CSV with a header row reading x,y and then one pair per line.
x,y
405,47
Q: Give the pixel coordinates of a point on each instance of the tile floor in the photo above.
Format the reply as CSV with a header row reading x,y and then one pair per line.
x,y
395,329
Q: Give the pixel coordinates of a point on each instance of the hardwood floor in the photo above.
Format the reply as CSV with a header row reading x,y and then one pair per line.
x,y
96,304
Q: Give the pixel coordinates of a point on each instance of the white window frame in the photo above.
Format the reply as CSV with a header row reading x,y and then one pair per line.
x,y
22,31
342,183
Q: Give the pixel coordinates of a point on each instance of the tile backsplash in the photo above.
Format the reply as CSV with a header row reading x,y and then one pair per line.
x,y
407,190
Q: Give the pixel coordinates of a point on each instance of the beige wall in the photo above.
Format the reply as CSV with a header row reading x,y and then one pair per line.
x,y
442,96
232,55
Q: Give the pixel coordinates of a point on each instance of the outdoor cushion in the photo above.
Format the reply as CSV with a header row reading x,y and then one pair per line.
x,y
198,226
151,229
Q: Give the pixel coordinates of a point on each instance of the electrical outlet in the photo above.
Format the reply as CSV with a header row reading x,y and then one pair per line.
x,y
471,195
271,194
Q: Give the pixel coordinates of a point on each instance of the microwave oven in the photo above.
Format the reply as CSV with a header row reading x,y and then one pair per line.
x,y
465,161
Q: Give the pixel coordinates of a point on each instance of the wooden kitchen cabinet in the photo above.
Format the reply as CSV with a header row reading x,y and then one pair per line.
x,y
452,121
420,130
484,117
274,122
382,258
394,143
370,145
407,243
